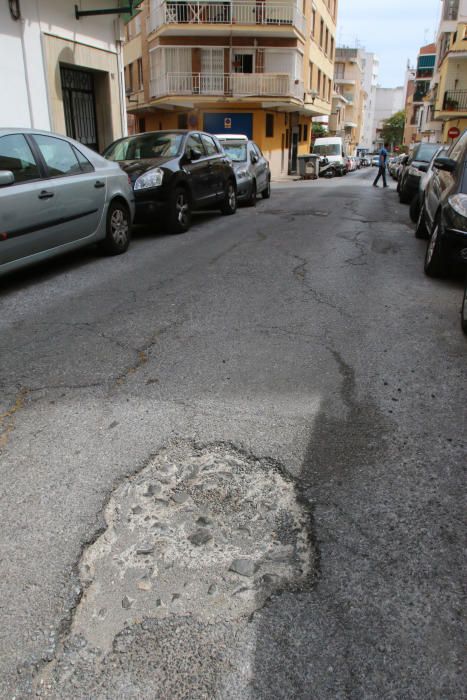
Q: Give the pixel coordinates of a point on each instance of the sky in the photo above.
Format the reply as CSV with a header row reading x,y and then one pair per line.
x,y
394,30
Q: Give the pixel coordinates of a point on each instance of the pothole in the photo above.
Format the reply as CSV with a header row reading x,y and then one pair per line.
x,y
205,534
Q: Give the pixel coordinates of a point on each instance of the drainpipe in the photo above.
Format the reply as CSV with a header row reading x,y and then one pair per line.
x,y
121,89
26,74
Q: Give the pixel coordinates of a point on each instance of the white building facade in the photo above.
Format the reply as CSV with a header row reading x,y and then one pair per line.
x,y
370,65
62,73
388,102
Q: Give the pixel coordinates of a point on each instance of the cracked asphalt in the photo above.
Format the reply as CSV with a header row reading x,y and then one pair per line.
x,y
303,332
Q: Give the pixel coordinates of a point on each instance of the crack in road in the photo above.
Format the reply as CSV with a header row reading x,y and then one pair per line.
x,y
7,419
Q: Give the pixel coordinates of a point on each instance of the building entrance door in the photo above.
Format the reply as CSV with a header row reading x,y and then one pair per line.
x,y
293,150
79,104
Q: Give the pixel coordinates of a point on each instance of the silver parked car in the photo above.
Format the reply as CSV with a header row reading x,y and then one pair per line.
x,y
251,168
57,195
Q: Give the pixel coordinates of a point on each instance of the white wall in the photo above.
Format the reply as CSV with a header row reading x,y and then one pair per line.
x,y
23,82
388,102
370,81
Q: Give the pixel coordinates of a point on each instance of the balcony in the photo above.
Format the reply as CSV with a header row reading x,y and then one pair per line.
x,y
193,17
455,101
227,85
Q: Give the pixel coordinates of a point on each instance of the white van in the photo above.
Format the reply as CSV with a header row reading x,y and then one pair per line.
x,y
332,156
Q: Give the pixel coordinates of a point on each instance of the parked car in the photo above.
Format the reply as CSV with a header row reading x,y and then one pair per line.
x,y
375,161
251,167
396,166
57,195
411,172
330,149
443,215
364,162
174,173
417,201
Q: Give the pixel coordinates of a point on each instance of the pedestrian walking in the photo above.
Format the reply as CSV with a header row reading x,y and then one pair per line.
x,y
383,158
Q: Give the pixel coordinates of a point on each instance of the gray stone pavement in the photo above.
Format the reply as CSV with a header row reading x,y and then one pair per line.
x,y
296,348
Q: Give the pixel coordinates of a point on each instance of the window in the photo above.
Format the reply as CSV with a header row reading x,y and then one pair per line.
x,y
209,145
15,155
85,165
269,125
299,132
313,22
140,73
182,121
194,145
305,132
243,63
339,71
129,77
310,84
321,33
332,48
319,82
326,49
451,9
59,156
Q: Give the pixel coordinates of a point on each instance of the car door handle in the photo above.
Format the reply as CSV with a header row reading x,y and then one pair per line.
x,y
98,183
45,195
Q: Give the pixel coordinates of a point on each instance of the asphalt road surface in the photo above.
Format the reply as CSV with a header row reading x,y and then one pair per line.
x,y
233,461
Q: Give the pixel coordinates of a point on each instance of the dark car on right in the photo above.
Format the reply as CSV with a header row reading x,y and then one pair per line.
x,y
413,169
443,217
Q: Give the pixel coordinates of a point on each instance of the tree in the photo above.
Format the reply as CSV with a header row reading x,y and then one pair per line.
x,y
393,129
319,130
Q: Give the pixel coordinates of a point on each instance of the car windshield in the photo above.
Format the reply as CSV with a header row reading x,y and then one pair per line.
x,y
161,144
426,151
235,151
328,149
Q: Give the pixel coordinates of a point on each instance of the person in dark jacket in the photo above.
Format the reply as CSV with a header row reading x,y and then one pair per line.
x,y
383,159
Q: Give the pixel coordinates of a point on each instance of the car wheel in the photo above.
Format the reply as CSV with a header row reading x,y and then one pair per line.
x,y
435,259
266,193
329,173
464,311
118,231
421,229
415,206
251,201
229,205
179,216
403,198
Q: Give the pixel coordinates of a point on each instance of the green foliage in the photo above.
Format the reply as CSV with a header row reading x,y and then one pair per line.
x,y
319,131
393,129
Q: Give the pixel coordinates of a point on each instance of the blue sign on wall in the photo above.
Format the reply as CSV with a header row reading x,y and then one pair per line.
x,y
229,123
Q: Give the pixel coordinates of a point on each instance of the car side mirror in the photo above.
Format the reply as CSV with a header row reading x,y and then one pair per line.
x,y
444,163
6,177
423,167
254,158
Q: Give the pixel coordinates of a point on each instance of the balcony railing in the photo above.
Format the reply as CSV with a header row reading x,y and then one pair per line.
x,y
227,84
218,13
455,101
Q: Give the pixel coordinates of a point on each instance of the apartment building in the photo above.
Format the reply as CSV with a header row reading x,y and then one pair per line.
x,y
370,63
62,69
261,68
449,103
411,125
349,97
418,114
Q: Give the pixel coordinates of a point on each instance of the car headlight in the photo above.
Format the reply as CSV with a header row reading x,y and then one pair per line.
x,y
414,171
243,173
153,178
457,213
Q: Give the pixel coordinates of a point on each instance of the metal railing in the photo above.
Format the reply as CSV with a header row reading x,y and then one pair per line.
x,y
455,101
227,84
265,13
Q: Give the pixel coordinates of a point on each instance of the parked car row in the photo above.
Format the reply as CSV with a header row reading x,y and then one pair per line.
x,y
57,195
442,207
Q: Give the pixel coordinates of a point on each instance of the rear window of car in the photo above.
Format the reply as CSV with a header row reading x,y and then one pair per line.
x,y
425,152
235,151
